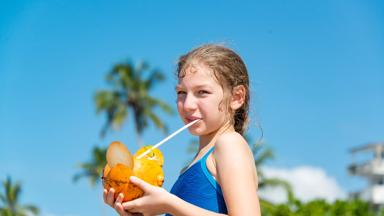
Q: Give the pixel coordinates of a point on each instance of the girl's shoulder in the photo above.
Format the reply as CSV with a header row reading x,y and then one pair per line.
x,y
233,157
231,143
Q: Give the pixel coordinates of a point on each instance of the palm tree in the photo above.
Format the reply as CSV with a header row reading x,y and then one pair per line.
x,y
92,169
129,92
9,201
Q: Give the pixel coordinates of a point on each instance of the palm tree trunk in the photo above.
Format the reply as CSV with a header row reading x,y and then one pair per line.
x,y
139,141
137,126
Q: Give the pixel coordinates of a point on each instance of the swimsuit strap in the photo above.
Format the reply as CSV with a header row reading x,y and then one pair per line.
x,y
207,174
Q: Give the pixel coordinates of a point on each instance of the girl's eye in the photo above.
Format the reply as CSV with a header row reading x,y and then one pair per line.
x,y
202,92
180,92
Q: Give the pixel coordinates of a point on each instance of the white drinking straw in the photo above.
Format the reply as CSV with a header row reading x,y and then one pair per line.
x,y
168,137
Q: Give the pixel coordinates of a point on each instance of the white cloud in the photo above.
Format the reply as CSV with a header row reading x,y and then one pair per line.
x,y
307,183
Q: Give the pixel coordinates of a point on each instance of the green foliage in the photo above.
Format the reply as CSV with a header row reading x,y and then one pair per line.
x,y
129,93
321,207
93,168
9,199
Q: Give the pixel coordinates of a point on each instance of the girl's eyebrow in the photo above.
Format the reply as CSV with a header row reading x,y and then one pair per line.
x,y
178,87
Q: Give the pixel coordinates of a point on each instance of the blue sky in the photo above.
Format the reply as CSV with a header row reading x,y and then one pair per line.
x,y
316,70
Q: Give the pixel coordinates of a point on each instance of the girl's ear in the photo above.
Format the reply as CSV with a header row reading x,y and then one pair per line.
x,y
238,97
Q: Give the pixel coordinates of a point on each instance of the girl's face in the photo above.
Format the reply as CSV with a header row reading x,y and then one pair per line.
x,y
200,96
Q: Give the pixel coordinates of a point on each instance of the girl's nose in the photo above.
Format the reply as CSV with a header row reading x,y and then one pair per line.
x,y
190,103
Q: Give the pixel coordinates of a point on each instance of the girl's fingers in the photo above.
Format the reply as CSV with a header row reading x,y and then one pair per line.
x,y
119,198
110,197
119,208
105,192
131,206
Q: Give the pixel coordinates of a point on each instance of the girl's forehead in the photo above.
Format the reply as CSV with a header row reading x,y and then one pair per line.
x,y
197,71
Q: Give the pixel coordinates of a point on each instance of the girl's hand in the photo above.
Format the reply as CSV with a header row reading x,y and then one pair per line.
x,y
109,199
153,202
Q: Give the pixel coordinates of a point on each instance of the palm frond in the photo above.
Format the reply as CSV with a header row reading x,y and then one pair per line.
x,y
153,102
142,67
2,198
119,116
155,119
31,208
263,156
93,168
12,191
153,78
11,207
105,100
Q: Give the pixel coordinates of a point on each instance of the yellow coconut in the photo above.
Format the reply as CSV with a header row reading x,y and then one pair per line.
x,y
119,168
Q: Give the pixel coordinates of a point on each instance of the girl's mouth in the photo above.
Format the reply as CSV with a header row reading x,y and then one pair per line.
x,y
191,119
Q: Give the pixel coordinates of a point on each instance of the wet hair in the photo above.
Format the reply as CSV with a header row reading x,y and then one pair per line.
x,y
228,69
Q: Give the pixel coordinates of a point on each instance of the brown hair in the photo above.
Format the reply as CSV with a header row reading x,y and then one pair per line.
x,y
229,70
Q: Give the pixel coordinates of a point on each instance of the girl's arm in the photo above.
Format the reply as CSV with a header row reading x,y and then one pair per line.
x,y
236,174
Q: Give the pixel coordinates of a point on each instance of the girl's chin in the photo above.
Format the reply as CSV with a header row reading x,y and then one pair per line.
x,y
193,131
196,131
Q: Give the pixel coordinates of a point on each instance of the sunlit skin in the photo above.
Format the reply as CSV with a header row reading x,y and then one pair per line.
x,y
200,96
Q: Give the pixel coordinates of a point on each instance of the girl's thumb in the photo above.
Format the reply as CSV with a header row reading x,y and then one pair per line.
x,y
139,182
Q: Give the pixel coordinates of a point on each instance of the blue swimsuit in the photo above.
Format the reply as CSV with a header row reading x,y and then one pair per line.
x,y
197,186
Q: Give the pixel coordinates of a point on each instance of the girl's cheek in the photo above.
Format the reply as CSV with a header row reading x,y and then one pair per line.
x,y
180,107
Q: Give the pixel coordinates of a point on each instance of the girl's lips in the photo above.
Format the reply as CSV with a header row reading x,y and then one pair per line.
x,y
191,119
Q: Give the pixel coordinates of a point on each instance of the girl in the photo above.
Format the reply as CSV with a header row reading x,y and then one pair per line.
x,y
213,87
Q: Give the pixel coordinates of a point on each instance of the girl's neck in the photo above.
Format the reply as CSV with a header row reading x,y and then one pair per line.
x,y
208,140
